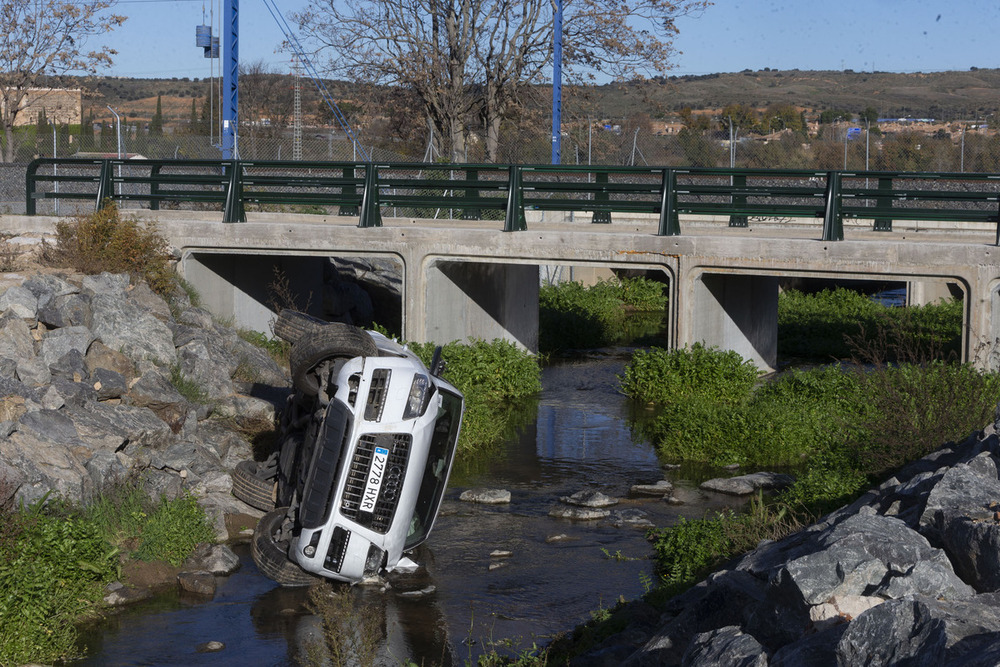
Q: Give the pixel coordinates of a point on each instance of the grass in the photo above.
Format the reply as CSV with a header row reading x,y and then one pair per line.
x,y
56,558
572,316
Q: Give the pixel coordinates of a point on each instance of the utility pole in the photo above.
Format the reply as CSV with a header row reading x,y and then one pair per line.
x,y
231,81
557,84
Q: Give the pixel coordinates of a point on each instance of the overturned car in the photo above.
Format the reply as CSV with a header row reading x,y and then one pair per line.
x,y
366,444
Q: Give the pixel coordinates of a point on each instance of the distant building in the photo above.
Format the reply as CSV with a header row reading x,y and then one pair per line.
x,y
61,106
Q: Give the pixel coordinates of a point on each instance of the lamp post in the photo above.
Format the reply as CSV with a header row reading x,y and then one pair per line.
x,y
118,124
557,20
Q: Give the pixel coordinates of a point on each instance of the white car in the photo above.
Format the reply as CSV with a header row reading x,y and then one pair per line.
x,y
366,446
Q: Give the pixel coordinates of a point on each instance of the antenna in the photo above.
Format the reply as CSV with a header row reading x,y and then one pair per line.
x,y
299,52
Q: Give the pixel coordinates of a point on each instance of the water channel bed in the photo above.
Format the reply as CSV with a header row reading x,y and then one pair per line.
x,y
463,601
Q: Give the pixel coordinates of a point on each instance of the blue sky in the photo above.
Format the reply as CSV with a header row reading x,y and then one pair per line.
x,y
158,40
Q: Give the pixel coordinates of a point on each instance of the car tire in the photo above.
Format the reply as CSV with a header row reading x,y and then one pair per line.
x,y
252,489
271,557
333,341
292,325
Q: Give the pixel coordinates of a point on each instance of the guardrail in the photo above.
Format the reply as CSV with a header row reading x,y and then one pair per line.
x,y
506,191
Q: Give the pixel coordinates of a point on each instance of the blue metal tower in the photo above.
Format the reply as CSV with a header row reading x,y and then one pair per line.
x,y
231,80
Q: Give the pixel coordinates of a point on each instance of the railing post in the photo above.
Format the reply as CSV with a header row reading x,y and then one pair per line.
x,y
105,187
738,181
351,190
471,213
514,220
602,217
29,187
234,210
669,222
371,209
833,224
154,187
883,205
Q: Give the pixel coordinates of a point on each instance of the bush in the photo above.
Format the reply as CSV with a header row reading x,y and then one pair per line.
x,y
106,241
664,377
497,378
571,316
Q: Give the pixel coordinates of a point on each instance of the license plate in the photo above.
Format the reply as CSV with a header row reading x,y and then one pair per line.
x,y
374,482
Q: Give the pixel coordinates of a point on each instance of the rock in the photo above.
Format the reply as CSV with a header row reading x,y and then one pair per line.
x,y
589,499
578,513
66,311
657,490
726,646
486,496
108,383
501,553
58,342
630,517
743,485
197,582
218,559
841,609
893,633
148,300
210,647
20,302
124,326
117,594
15,339
70,366
33,371
101,356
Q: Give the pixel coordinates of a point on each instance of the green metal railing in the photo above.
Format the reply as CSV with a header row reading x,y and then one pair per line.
x,y
478,191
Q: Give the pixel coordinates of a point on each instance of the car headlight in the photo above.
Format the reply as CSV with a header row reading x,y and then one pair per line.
x,y
374,561
416,403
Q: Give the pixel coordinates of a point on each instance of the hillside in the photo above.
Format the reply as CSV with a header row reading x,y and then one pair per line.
x,y
940,95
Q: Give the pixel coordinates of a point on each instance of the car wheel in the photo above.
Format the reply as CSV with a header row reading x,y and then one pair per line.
x,y
271,557
334,341
292,325
251,488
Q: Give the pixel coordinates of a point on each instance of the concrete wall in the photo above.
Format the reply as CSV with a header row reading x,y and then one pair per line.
x,y
736,312
482,300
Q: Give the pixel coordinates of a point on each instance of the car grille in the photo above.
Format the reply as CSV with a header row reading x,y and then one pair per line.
x,y
376,394
321,483
398,445
338,547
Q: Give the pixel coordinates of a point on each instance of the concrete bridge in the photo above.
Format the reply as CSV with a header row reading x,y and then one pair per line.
x,y
469,279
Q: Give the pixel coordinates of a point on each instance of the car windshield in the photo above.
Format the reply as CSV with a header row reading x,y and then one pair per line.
x,y
435,478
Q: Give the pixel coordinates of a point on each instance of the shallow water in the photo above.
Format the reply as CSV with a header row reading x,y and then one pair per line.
x,y
468,601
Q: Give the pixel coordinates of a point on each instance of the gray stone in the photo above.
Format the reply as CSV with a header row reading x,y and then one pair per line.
x,y
486,496
218,559
33,371
657,490
117,594
818,649
148,300
630,517
897,632
210,647
743,485
578,513
66,311
58,342
728,646
123,326
101,356
197,582
114,284
70,366
589,499
15,339
107,426
19,301
108,383
196,317
77,393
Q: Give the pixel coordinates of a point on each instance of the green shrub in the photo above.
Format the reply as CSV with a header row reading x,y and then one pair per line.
x,y
571,316
834,323
106,241
53,576
497,379
664,376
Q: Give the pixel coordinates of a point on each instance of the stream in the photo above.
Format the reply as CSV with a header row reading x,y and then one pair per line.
x,y
463,601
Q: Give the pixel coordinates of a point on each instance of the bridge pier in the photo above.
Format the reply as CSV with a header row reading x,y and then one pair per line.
x,y
479,299
732,312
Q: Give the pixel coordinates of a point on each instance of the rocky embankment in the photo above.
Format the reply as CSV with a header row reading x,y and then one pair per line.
x,y
909,574
89,370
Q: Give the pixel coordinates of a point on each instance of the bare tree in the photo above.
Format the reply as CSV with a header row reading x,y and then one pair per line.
x,y
266,104
473,58
46,38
